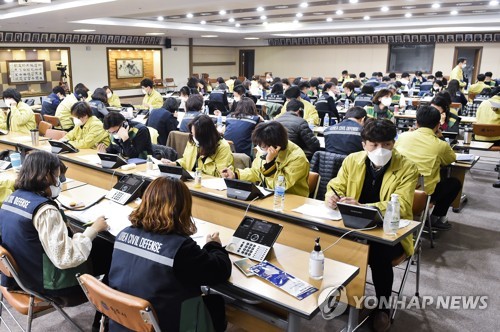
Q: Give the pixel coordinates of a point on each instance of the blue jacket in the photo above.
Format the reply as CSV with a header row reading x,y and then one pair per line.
x,y
186,119
50,104
343,138
239,130
164,122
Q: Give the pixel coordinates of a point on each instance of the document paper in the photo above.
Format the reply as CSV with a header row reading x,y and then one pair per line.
x,y
319,211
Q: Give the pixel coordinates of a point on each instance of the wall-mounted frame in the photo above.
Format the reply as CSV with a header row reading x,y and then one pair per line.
x,y
129,68
26,71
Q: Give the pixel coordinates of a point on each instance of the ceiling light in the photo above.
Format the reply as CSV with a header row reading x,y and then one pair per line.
x,y
366,17
318,13
493,3
160,18
329,19
408,15
353,1
263,17
203,22
251,38
260,9
155,33
205,14
237,25
8,1
299,15
464,4
209,36
281,7
231,20
175,17
247,18
222,12
436,5
84,30
384,9
189,15
453,12
339,12
304,5
264,23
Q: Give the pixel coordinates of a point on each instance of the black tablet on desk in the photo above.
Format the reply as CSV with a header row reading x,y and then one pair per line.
x,y
61,147
244,190
360,216
176,172
451,135
109,160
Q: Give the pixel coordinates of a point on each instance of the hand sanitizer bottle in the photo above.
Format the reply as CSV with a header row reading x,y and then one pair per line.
x,y
316,262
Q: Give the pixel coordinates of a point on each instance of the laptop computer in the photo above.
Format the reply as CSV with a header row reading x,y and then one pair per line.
x,y
357,216
176,172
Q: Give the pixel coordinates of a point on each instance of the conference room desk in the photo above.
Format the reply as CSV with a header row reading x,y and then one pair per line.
x,y
289,259
413,116
474,145
458,171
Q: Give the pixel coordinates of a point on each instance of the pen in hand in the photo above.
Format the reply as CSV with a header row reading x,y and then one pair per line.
x,y
90,223
335,192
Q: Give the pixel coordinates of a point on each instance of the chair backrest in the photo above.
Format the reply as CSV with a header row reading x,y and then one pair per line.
x,y
55,134
327,164
419,202
162,151
487,130
38,118
231,146
153,133
241,160
130,311
8,265
43,126
178,141
313,182
54,120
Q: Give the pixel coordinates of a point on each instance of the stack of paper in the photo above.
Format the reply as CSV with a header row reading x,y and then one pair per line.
x,y
465,157
318,211
116,214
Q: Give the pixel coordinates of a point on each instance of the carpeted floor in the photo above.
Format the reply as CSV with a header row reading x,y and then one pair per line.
x,y
465,262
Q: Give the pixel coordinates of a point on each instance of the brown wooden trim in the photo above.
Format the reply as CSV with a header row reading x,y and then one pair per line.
x,y
208,64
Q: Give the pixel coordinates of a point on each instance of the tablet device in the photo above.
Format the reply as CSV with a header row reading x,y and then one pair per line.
x,y
244,190
360,216
109,160
451,135
176,172
61,147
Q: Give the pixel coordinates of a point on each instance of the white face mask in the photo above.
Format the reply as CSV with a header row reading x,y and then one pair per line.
x,y
109,95
77,122
144,91
261,150
237,98
380,156
116,136
404,81
386,101
436,87
9,102
464,66
196,142
331,93
55,190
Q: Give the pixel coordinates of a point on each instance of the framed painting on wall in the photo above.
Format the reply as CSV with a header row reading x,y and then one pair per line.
x,y
26,71
129,68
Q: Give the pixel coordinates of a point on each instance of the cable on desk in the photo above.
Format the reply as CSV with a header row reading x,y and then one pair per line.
x,y
352,230
248,206
112,177
83,208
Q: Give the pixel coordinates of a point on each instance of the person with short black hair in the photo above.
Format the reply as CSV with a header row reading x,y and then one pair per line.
x,y
344,76
277,94
478,87
98,103
437,86
365,97
349,91
194,108
326,103
88,131
152,98
430,154
439,77
418,78
449,120
206,148
49,104
381,102
239,92
63,111
489,79
458,72
276,156
345,137
314,90
298,128
129,138
369,177
217,100
164,119
373,81
362,77
304,87
392,77
405,81
310,113
286,84
19,117
240,125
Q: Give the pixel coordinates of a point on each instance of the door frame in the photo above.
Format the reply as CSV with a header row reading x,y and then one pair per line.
x,y
477,62
241,62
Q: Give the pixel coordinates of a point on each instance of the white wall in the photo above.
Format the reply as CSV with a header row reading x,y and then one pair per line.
x,y
490,61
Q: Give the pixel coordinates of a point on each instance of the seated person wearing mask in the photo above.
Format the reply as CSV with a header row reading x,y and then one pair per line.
x,y
171,275
152,98
63,111
345,137
381,102
326,103
164,119
194,107
240,125
369,177
239,92
430,154
49,104
298,128
276,156
449,121
184,92
113,99
88,131
129,139
310,113
206,149
19,118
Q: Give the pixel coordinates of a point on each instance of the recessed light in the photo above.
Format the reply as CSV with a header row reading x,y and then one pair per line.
x,y
464,4
329,19
436,5
318,13
384,9
430,14
251,38
84,30
217,21
260,9
295,22
9,1
339,12
203,22
479,11
408,15
493,3
281,7
154,33
237,25
453,12
263,17
222,12
231,20
366,17
209,36
353,1
409,7
304,5
205,14
247,18
299,15
264,23
189,15
175,17
160,18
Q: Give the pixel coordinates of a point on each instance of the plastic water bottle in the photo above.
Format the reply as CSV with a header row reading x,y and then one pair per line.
x,y
149,164
346,104
279,194
326,121
392,216
219,121
316,262
207,111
